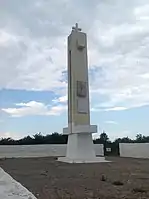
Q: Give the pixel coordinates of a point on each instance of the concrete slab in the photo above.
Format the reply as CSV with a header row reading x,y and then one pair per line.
x,y
11,189
95,160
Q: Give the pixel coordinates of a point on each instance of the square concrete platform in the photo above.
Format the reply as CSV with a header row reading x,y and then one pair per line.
x,y
95,160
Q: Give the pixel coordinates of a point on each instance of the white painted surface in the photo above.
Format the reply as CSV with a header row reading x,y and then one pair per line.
x,y
80,129
40,150
11,189
85,129
135,150
82,105
80,149
108,149
94,160
81,43
80,146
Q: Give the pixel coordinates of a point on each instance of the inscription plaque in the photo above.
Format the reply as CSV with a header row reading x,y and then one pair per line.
x,y
82,105
81,89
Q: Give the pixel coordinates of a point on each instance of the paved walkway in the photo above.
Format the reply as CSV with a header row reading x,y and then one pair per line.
x,y
11,189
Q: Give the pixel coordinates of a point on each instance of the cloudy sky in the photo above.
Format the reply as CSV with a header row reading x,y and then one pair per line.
x,y
33,64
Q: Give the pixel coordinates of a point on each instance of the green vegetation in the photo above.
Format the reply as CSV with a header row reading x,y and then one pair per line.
x,y
57,138
38,138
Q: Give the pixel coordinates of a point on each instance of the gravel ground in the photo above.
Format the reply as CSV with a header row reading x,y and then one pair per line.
x,y
48,179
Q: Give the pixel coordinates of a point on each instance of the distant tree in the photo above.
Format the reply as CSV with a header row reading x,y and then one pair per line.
x,y
104,137
25,141
123,140
141,138
38,138
7,141
57,138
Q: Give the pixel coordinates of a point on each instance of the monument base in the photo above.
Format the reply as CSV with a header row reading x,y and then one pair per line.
x,y
95,160
80,149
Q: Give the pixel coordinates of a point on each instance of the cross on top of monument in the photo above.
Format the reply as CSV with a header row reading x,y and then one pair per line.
x,y
76,28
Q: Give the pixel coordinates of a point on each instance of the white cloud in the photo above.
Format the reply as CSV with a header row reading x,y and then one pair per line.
x,y
34,108
9,135
33,47
61,99
5,38
116,109
111,122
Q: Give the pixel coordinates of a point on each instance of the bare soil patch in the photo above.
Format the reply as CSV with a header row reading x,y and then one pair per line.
x,y
123,178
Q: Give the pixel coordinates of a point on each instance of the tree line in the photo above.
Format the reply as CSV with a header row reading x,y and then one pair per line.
x,y
56,138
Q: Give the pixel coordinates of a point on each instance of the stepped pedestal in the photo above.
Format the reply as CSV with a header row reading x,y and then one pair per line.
x,y
80,148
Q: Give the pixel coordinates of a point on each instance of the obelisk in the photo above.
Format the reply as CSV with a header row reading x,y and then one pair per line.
x,y
80,147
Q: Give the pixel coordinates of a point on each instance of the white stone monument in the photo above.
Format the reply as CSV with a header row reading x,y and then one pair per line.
x,y
80,148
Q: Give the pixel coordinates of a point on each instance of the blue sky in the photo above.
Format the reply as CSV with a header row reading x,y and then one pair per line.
x,y
33,65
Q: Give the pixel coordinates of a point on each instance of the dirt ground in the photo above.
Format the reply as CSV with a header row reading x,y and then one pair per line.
x,y
48,179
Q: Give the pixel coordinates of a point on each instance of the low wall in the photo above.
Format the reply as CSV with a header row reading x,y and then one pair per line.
x,y
134,150
15,151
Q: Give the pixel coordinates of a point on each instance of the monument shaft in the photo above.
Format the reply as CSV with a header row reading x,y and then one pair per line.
x,y
78,91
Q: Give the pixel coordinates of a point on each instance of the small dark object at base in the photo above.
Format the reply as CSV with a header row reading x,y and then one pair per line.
x,y
103,178
139,190
118,183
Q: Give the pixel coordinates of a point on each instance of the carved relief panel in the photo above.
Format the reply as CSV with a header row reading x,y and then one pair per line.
x,y
81,89
82,101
